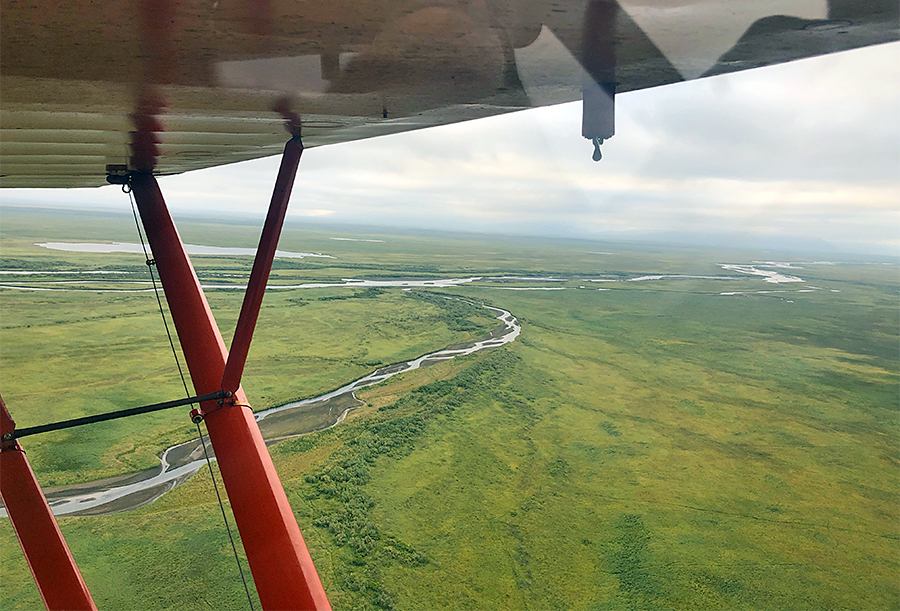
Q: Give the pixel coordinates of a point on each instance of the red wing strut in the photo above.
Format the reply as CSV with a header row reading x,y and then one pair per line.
x,y
262,265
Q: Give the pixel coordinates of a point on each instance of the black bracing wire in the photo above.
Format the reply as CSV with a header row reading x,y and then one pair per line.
x,y
222,507
150,263
107,416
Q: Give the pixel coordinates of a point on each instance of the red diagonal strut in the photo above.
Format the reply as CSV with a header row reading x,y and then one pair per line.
x,y
279,560
57,577
262,265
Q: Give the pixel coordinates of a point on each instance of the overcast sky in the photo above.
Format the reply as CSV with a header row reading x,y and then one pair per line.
x,y
803,151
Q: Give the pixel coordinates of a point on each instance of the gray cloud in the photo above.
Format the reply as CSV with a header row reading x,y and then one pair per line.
x,y
809,149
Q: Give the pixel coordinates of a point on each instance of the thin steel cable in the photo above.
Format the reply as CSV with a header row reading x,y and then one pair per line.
x,y
149,262
184,383
222,508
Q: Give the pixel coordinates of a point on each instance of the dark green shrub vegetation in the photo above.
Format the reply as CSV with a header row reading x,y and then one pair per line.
x,y
458,313
653,446
368,293
627,555
336,492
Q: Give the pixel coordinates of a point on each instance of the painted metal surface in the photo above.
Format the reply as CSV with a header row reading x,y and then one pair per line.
x,y
58,579
74,73
262,265
279,560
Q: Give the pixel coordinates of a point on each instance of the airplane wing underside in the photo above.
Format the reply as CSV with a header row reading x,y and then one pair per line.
x,y
80,79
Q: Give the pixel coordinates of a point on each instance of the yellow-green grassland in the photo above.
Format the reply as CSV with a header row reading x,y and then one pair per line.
x,y
667,443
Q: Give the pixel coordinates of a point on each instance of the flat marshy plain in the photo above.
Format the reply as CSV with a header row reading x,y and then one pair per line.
x,y
694,437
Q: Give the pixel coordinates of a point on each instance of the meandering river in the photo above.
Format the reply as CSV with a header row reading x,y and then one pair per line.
x,y
179,462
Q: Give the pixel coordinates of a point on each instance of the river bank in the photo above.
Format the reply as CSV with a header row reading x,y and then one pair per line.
x,y
179,462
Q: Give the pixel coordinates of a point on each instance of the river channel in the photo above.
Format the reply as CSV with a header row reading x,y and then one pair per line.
x,y
179,462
